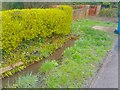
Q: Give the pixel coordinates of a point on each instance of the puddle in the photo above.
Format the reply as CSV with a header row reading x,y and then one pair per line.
x,y
34,68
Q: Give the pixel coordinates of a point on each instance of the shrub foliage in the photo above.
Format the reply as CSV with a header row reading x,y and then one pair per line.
x,y
108,12
19,25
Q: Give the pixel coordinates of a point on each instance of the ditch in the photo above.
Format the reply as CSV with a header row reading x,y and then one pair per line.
x,y
34,68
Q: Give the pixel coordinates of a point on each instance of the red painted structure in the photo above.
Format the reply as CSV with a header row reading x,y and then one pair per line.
x,y
92,10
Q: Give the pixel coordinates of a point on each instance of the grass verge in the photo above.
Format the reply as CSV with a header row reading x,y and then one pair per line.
x,y
80,61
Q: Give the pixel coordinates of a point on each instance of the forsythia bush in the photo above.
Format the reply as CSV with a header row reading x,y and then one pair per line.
x,y
68,11
25,24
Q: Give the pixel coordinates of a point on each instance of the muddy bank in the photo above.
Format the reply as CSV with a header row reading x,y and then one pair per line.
x,y
34,68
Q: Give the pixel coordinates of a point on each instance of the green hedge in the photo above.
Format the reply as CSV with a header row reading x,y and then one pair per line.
x,y
25,24
108,12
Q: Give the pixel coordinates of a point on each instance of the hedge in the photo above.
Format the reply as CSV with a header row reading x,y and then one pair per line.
x,y
25,24
108,12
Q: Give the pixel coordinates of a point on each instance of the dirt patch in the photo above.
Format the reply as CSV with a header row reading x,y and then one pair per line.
x,y
103,28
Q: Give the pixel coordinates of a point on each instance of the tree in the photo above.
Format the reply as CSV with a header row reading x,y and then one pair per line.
x,y
12,5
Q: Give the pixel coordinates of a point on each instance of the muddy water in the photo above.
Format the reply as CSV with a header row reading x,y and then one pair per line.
x,y
34,68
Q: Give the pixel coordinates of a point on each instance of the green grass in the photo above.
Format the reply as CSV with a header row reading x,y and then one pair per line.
x,y
48,65
83,24
80,60
27,81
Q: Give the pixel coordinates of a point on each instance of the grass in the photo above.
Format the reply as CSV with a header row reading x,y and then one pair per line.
x,y
78,62
82,24
48,65
27,81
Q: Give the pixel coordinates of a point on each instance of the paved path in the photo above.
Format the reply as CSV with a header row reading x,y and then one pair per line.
x,y
108,75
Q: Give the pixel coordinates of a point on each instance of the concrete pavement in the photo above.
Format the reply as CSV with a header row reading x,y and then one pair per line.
x,y
107,76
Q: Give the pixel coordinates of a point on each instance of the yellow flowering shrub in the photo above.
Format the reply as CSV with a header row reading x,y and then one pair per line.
x,y
25,24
